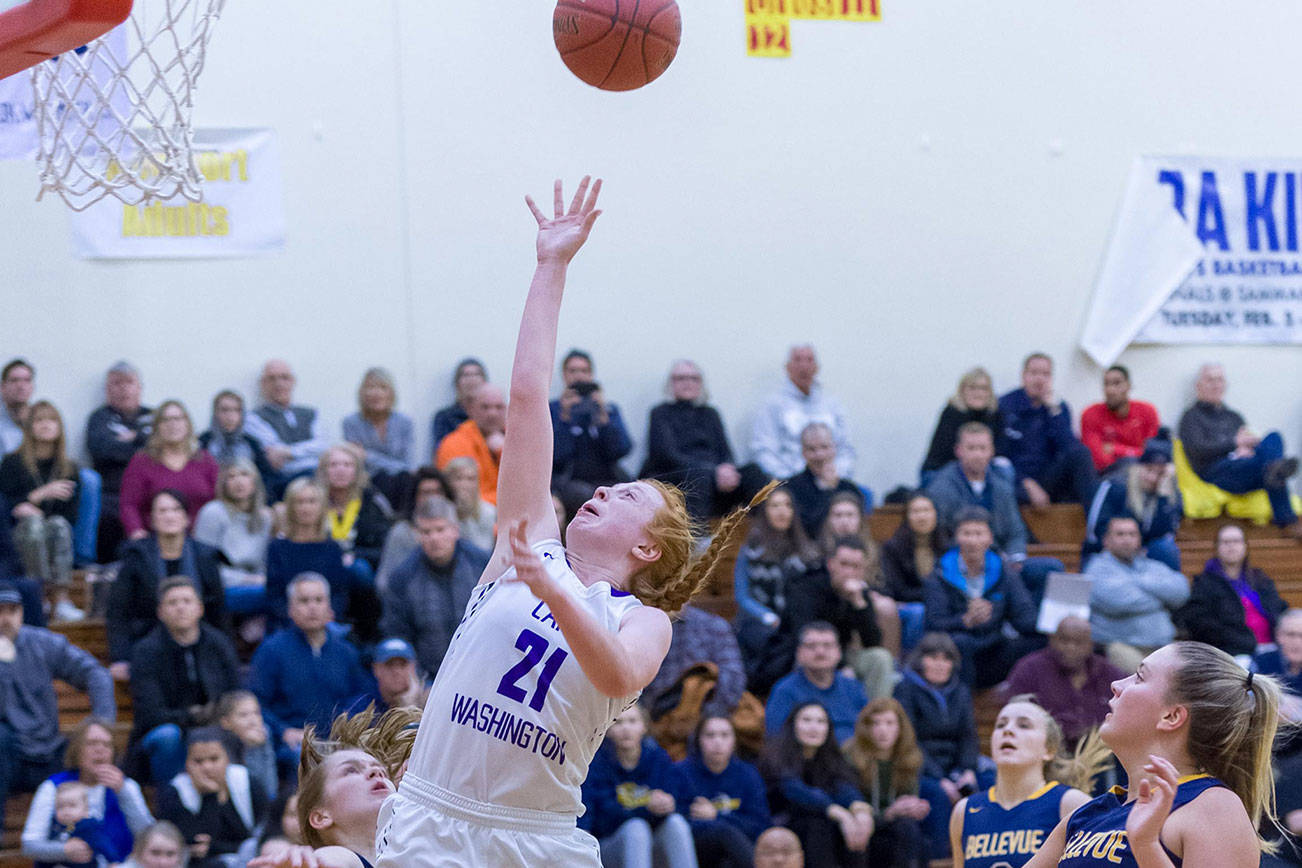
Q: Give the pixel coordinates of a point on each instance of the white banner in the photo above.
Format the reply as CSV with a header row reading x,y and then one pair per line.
x,y
1206,250
18,138
242,212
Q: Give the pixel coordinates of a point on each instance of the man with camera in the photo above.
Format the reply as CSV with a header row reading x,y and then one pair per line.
x,y
589,434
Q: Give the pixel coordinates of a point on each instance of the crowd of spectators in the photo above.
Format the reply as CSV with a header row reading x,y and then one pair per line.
x,y
266,576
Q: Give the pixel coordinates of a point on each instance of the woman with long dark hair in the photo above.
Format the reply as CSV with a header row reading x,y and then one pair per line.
x,y
776,554
814,788
910,555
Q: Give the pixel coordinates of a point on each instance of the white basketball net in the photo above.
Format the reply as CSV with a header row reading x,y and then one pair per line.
x,y
114,117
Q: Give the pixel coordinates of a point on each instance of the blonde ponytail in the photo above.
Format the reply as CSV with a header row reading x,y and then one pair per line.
x,y
1233,718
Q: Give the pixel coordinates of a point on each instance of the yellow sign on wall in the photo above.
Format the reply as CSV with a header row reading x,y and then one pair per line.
x,y
768,22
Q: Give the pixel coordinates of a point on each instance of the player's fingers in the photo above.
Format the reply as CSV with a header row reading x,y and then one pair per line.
x,y
518,538
557,203
1165,770
1144,789
537,215
592,196
577,201
589,220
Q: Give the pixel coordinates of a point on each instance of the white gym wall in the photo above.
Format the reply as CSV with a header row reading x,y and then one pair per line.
x,y
913,196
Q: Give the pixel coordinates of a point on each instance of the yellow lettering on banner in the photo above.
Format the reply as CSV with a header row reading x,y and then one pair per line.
x,y
217,165
768,31
768,36
156,220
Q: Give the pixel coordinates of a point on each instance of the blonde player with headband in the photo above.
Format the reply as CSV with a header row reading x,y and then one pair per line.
x,y
555,642
1193,731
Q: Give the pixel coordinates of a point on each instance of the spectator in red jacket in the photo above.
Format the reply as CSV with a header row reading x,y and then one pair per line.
x,y
1116,429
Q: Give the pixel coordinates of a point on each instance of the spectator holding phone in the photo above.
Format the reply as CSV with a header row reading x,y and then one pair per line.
x,y
589,434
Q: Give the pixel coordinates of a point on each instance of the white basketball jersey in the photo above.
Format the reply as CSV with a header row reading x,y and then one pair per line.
x,y
511,719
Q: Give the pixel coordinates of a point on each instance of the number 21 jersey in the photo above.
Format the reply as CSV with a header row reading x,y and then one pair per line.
x,y
512,720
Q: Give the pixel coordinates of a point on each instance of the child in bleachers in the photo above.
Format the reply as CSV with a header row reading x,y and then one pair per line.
x,y
213,802
160,846
728,808
634,797
813,790
86,844
247,742
884,750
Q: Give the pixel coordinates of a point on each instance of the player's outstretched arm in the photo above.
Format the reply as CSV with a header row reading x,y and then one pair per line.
x,y
524,480
1051,850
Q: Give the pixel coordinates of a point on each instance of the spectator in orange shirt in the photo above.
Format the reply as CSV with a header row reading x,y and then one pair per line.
x,y
1116,429
480,437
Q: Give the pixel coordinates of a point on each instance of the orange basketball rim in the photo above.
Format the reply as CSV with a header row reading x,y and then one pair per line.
x,y
36,30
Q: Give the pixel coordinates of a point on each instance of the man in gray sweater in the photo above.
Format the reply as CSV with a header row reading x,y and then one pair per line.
x,y
31,748
969,481
1132,597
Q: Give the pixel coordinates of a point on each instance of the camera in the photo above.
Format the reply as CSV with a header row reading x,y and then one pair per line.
x,y
585,388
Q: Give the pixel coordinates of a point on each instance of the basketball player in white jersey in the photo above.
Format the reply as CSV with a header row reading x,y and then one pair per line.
x,y
555,642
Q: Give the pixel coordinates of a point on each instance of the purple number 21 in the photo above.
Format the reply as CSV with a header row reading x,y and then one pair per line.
x,y
534,647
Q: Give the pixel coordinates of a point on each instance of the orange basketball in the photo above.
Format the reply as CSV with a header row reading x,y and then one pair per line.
x,y
617,44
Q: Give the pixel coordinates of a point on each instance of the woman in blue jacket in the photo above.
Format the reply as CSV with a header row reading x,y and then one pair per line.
x,y
728,807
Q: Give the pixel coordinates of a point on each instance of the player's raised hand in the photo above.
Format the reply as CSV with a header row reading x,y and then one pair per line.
x,y
1153,805
560,237
528,566
292,857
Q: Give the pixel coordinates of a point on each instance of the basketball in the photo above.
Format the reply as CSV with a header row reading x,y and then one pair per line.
x,y
617,44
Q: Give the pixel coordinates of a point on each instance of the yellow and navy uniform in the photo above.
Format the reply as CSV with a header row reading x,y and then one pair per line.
x,y
1096,832
999,837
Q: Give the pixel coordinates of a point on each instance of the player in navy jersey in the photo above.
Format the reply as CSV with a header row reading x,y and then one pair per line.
x,y
555,641
1004,826
1193,731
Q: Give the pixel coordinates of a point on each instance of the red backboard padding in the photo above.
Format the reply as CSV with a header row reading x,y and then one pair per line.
x,y
39,29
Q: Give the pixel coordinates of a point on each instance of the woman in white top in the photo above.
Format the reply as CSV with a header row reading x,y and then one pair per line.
x,y
238,524
115,799
555,641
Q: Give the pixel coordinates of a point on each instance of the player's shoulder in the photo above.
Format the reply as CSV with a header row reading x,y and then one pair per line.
x,y
337,857
1214,817
647,618
1216,800
1071,799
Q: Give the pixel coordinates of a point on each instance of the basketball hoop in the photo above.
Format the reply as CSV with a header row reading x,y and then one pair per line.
x,y
114,116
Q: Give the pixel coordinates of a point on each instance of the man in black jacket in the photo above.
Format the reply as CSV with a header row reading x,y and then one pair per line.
x,y
982,604
837,595
1222,449
178,672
